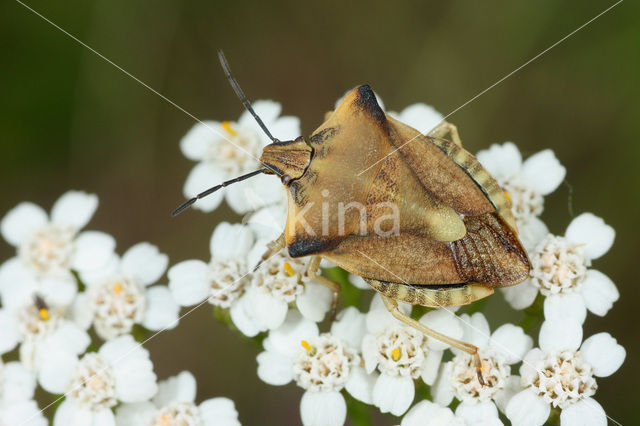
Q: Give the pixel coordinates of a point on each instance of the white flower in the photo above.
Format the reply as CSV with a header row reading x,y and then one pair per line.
x,y
559,374
17,406
38,328
174,404
222,281
322,364
118,298
427,413
526,184
278,282
560,272
421,117
93,385
228,149
49,248
402,354
498,351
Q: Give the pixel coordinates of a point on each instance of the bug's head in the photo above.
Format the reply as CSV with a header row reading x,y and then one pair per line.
x,y
288,159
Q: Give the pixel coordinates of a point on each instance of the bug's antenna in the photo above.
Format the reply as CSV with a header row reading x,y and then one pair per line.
x,y
240,93
215,188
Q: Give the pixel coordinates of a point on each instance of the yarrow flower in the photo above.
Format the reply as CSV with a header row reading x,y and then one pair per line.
x,y
17,407
50,248
526,183
498,351
561,373
118,298
560,271
403,354
322,364
38,329
227,149
95,383
174,404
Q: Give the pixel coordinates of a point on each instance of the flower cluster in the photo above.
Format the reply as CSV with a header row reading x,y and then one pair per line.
x,y
65,285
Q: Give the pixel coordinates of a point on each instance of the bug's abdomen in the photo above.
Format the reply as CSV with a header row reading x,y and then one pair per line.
x,y
431,296
490,252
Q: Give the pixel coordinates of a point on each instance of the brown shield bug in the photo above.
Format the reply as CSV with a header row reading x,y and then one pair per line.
x,y
453,239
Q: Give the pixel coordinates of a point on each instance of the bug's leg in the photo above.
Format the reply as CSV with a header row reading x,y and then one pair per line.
x,y
272,248
312,272
441,130
392,306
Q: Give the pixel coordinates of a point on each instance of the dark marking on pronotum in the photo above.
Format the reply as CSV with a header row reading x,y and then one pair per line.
x,y
304,247
369,104
323,135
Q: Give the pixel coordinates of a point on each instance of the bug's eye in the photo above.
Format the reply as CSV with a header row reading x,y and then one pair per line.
x,y
285,179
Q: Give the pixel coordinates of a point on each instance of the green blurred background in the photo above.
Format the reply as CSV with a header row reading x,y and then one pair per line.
x,y
70,120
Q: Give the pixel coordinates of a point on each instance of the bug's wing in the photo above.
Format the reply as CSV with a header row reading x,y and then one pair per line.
x,y
490,253
450,173
354,136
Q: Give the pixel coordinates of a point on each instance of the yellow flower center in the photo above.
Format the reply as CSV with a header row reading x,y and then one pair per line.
x,y
310,349
289,269
227,126
44,314
395,354
117,288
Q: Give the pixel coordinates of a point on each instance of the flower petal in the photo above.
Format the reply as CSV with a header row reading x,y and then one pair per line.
x,y
21,221
274,368
502,161
520,296
557,306
201,177
18,383
476,329
359,282
543,172
9,336
560,334
268,311
218,412
162,310
427,413
179,388
315,301
393,394
92,250
144,263
230,241
603,353
599,292
527,409
472,410
504,395
137,413
593,232
421,117
586,412
445,322
286,339
511,342
327,408
188,282
350,327
532,232
242,317
196,143
60,290
56,368
74,208
442,389
360,384
430,366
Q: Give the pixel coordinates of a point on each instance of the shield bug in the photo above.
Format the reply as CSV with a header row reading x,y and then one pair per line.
x,y
453,239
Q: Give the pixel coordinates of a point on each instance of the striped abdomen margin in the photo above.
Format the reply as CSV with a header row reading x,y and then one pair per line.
x,y
431,296
481,177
